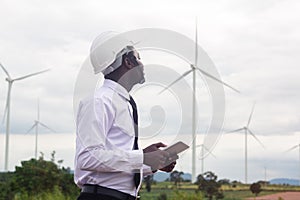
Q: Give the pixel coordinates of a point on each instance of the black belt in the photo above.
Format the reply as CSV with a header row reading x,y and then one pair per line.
x,y
96,189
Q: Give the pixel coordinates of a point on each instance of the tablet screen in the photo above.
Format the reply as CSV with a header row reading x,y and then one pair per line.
x,y
176,148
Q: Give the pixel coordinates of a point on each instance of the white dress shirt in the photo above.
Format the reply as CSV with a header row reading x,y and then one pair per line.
x,y
105,139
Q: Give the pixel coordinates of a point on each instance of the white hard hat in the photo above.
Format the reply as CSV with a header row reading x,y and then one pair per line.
x,y
107,50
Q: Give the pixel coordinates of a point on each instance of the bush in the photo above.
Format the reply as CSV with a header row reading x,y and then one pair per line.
x,y
38,180
186,196
162,196
56,194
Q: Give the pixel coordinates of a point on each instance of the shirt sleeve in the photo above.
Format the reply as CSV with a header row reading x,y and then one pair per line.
x,y
147,170
94,120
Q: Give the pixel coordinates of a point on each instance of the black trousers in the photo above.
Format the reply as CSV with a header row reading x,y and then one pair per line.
x,y
91,196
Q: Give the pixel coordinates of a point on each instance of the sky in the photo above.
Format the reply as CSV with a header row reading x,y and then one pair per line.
x,y
253,44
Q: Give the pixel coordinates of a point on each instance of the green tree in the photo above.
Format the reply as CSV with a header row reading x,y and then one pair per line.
x,y
207,183
6,185
66,183
224,182
38,179
255,188
35,176
175,177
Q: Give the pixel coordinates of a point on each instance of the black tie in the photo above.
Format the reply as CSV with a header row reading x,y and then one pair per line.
x,y
137,176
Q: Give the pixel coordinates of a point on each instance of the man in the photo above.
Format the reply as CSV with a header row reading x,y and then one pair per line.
x,y
108,162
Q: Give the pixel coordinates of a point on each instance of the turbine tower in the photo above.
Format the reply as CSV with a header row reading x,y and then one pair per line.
x,y
35,125
203,148
294,147
194,67
7,108
246,131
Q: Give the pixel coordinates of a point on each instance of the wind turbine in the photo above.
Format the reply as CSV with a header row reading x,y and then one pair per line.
x,y
35,125
7,108
294,147
203,147
247,130
193,70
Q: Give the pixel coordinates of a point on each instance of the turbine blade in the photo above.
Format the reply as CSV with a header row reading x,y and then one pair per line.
x,y
216,79
249,120
237,130
5,71
6,106
294,147
209,152
38,110
182,76
31,128
46,127
256,138
33,74
4,115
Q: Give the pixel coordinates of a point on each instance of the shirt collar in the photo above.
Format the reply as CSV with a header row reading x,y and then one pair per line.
x,y
117,88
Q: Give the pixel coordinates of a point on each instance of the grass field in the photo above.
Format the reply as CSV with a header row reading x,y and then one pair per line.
x,y
167,191
187,191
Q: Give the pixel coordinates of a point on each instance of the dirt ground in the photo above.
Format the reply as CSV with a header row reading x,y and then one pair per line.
x,y
283,195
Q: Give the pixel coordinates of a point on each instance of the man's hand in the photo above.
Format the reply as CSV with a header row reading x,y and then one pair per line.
x,y
154,157
170,163
159,159
169,168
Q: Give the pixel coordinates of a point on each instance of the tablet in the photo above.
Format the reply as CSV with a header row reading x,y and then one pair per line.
x,y
176,148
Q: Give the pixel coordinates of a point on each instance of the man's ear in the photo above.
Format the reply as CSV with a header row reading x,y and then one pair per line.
x,y
128,63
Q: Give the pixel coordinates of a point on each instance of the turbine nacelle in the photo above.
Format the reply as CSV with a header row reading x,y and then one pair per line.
x,y
9,79
193,67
